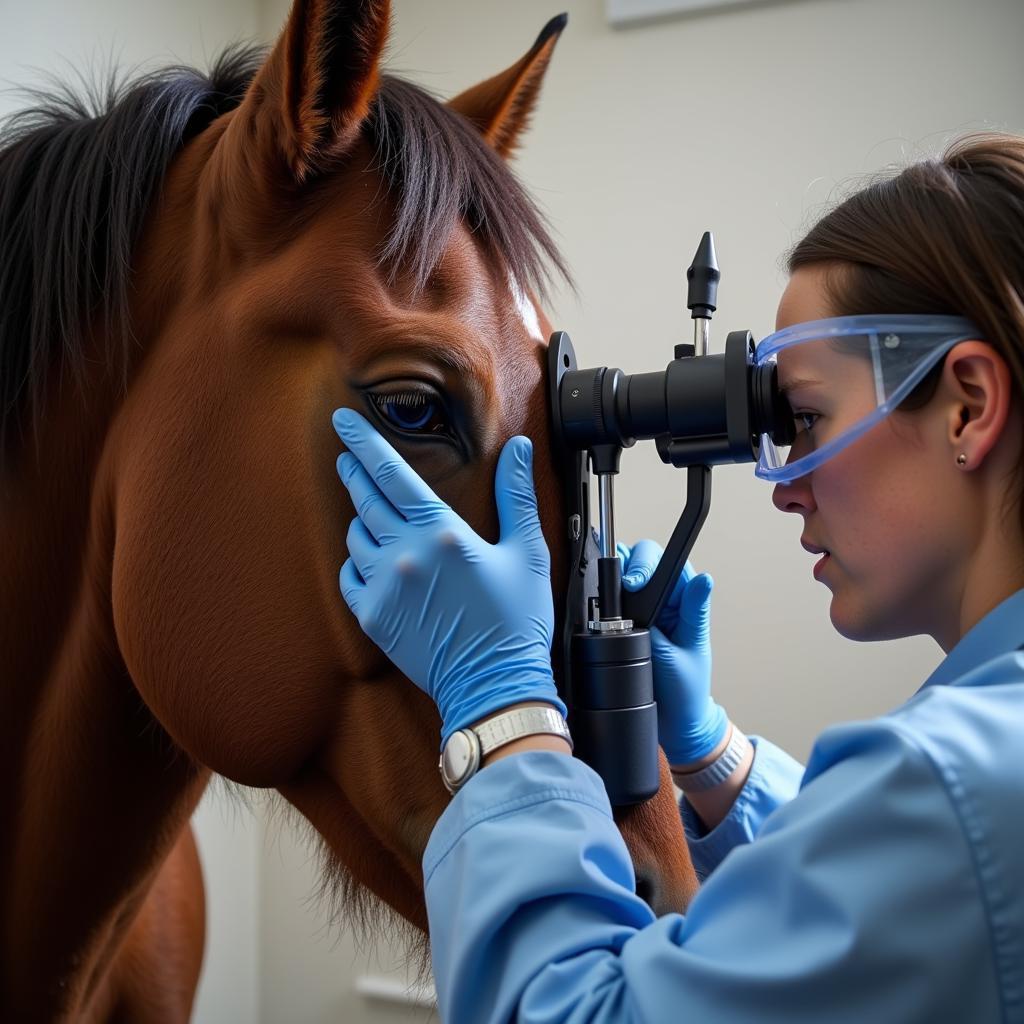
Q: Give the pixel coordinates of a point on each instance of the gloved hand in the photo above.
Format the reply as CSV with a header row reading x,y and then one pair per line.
x,y
690,723
468,622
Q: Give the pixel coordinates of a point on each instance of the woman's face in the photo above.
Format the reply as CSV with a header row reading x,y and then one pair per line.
x,y
888,508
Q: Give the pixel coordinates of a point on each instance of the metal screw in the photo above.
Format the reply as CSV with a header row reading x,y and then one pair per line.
x,y
575,527
575,392
891,341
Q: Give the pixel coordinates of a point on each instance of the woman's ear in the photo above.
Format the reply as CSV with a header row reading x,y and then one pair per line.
x,y
501,106
980,385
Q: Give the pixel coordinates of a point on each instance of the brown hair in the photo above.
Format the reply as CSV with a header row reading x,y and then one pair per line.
x,y
942,236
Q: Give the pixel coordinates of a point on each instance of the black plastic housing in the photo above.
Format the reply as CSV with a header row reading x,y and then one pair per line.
x,y
613,717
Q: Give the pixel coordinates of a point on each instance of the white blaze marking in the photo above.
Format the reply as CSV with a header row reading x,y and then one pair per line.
x,y
526,310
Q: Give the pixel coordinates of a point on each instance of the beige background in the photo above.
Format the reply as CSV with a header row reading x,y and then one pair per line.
x,y
746,121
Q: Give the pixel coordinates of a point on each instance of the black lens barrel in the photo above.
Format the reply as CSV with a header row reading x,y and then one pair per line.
x,y
603,405
706,410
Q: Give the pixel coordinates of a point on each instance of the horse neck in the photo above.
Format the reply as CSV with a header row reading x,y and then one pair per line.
x,y
94,792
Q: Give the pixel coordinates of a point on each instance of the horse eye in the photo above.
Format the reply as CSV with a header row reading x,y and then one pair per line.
x,y
412,411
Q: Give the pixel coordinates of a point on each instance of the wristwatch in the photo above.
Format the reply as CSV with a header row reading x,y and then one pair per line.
x,y
465,748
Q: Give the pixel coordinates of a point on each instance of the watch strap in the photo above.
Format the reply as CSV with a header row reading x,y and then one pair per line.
x,y
518,723
719,770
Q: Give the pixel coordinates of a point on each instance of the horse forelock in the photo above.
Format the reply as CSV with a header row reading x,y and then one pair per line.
x,y
80,170
442,171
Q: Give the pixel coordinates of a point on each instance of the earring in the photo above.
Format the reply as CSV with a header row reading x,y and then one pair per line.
x,y
961,459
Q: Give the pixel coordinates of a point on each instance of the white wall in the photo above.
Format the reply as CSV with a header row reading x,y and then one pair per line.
x,y
60,35
229,838
743,122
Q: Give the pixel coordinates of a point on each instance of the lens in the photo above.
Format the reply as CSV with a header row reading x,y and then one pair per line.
x,y
835,386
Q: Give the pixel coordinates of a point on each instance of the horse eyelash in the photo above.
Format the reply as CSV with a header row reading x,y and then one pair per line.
x,y
381,398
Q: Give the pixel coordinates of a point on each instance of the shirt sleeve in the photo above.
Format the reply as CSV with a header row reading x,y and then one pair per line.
x,y
857,900
774,780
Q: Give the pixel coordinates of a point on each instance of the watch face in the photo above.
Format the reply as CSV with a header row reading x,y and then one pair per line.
x,y
460,758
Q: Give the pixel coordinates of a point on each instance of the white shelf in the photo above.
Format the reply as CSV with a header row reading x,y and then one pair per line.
x,y
393,990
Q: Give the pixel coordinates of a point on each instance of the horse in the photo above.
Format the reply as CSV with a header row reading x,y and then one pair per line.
x,y
192,278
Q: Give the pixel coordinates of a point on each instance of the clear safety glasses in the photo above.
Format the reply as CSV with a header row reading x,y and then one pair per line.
x,y
843,376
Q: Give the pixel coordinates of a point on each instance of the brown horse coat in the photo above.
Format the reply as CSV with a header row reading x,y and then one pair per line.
x,y
170,520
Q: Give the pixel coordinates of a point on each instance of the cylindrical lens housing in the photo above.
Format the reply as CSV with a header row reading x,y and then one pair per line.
x,y
613,716
702,409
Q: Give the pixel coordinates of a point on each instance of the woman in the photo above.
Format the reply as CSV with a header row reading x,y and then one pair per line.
x,y
884,882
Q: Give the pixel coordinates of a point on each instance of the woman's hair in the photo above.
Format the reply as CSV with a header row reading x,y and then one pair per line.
x,y
941,236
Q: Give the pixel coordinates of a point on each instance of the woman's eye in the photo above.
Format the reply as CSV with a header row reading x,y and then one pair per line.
x,y
412,411
805,420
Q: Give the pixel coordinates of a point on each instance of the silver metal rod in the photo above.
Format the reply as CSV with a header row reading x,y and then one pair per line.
x,y
701,334
607,524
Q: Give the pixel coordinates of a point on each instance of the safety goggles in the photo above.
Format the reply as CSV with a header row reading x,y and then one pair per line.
x,y
843,376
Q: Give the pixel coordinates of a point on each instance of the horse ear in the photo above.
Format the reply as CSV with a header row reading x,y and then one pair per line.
x,y
314,90
501,106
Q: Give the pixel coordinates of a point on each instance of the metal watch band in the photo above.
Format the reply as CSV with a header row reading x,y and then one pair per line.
x,y
466,748
514,725
719,770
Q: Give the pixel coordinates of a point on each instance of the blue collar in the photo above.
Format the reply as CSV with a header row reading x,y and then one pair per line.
x,y
999,632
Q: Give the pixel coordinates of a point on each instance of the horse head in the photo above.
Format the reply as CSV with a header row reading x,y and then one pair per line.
x,y
326,236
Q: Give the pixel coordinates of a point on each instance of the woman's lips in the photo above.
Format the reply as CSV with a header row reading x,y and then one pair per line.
x,y
820,565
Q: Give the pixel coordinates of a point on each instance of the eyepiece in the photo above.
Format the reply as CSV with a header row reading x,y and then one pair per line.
x,y
770,410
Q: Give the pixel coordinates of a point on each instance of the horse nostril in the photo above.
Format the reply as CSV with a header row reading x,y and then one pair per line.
x,y
645,889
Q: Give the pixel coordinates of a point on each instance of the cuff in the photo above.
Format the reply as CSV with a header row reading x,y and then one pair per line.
x,y
513,784
774,780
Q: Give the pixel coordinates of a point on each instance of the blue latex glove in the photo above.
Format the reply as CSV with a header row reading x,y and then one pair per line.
x,y
690,723
467,621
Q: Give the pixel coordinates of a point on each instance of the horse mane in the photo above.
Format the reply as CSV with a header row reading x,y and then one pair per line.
x,y
78,174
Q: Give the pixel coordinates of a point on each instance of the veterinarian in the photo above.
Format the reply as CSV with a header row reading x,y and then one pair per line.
x,y
883,882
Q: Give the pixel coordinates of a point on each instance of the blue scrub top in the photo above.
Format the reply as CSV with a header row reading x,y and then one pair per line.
x,y
885,883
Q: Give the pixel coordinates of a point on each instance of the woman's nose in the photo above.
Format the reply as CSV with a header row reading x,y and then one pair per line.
x,y
795,496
